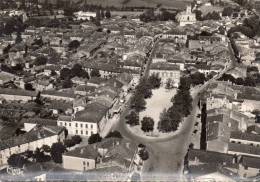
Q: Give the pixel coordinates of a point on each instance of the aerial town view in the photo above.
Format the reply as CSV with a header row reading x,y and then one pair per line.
x,y
130,90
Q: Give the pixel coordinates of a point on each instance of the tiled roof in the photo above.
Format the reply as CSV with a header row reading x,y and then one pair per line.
x,y
245,136
242,148
252,162
93,113
210,157
88,152
33,135
20,92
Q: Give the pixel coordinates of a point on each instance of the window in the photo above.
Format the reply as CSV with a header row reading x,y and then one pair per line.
x,y
84,163
91,126
65,124
81,125
86,132
76,131
69,124
91,132
60,123
86,125
81,132
76,124
87,164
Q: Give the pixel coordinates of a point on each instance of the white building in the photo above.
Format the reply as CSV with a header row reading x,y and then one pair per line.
x,y
166,71
36,138
186,17
84,15
86,122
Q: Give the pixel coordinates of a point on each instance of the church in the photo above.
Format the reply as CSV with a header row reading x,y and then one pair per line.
x,y
186,17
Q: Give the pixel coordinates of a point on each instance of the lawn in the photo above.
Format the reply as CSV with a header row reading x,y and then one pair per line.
x,y
160,100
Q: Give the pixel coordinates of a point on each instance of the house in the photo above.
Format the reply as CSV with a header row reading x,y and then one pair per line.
x,y
6,77
89,121
245,138
81,159
84,90
110,153
249,166
30,123
186,17
84,15
205,165
215,101
35,138
58,95
243,149
218,128
166,71
17,95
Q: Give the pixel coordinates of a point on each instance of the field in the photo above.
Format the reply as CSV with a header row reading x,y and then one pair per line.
x,y
172,4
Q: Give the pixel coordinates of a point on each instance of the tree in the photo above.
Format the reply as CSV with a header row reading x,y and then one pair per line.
x,y
169,84
69,143
155,81
67,83
40,156
76,139
65,73
57,149
95,73
77,70
16,160
227,11
137,102
197,78
144,88
38,99
132,119
74,44
144,155
94,138
28,86
114,134
46,148
42,60
108,14
18,38
147,124
166,124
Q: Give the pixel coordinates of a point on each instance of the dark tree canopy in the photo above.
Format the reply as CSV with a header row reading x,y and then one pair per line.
x,y
95,73
132,119
115,134
57,149
74,44
94,138
147,124
16,160
137,102
155,81
144,155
